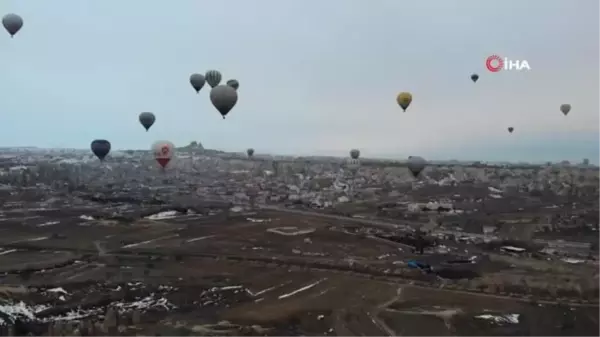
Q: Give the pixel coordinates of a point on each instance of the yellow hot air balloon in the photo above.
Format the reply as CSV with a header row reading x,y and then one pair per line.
x,y
404,99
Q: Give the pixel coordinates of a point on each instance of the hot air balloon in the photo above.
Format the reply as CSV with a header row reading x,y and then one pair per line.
x,y
213,78
147,119
197,81
234,84
223,98
416,165
163,152
474,77
565,108
354,154
12,23
250,152
404,99
511,129
100,148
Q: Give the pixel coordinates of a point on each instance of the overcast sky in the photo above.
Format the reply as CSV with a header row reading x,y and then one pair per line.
x,y
316,77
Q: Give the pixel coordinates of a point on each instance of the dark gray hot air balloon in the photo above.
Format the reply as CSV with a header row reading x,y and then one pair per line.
x,y
234,84
223,97
12,23
565,108
213,78
511,129
354,154
250,152
100,148
197,81
474,77
147,119
416,165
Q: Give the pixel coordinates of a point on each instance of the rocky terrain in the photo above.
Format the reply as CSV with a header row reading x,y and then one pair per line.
x,y
224,245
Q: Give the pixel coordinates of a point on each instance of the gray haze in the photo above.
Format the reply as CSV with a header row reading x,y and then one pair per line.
x,y
316,77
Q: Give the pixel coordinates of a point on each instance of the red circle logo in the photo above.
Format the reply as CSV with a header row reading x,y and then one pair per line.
x,y
494,63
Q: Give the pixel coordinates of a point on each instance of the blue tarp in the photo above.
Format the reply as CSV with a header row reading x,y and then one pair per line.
x,y
417,264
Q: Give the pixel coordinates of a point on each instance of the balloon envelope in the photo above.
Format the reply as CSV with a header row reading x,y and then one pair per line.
x,y
213,78
100,148
223,98
404,99
565,108
234,84
354,153
197,81
12,23
416,164
250,152
147,119
163,151
474,77
511,129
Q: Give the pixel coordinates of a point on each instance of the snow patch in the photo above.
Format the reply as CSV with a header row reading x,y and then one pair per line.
x,y
299,290
163,215
49,223
501,319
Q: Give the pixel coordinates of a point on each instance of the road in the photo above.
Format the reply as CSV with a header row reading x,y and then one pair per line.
x,y
371,222
410,225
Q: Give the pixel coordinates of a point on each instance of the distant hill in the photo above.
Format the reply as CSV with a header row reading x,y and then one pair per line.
x,y
192,146
198,148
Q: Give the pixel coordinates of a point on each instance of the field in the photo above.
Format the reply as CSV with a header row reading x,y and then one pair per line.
x,y
254,273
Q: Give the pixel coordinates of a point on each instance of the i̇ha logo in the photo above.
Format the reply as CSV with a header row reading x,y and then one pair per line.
x,y
496,63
